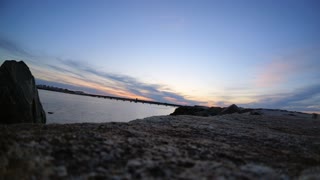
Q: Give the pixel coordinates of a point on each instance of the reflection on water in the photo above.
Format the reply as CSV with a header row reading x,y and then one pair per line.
x,y
70,108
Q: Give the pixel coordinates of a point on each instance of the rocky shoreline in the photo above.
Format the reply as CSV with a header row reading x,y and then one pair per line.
x,y
232,146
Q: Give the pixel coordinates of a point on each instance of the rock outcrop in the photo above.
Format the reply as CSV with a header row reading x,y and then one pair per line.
x,y
208,111
230,110
314,115
19,99
197,111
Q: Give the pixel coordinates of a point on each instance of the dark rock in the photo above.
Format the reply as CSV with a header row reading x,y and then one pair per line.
x,y
197,111
215,110
231,109
19,99
255,113
245,110
314,115
190,110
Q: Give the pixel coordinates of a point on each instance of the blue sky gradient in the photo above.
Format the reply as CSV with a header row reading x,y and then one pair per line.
x,y
248,52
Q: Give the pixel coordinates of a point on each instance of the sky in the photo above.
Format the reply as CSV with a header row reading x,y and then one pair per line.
x,y
261,54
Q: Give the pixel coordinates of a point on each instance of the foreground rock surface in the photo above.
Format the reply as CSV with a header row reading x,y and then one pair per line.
x,y
234,146
19,99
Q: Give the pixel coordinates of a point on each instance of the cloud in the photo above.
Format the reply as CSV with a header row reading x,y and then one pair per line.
x,y
127,83
285,68
78,75
63,70
68,86
13,48
298,71
74,74
275,73
302,99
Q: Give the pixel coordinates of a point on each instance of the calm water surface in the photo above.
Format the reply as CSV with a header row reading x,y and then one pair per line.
x,y
70,108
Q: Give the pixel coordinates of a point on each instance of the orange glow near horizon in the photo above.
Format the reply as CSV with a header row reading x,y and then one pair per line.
x,y
119,90
76,81
57,77
175,101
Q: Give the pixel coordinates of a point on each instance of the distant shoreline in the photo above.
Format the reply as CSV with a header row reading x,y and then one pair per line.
x,y
67,91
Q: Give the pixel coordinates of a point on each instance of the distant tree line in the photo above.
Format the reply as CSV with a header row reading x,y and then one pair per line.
x,y
52,88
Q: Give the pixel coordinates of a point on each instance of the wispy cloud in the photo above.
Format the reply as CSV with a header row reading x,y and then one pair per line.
x,y
68,86
130,84
274,73
77,74
282,69
302,99
14,48
80,75
298,72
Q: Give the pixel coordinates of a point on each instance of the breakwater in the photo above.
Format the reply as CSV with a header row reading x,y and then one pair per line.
x,y
108,97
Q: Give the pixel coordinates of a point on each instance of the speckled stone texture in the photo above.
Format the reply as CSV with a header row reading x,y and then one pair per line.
x,y
234,146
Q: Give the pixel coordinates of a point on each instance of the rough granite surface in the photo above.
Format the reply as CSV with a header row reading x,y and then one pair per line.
x,y
234,146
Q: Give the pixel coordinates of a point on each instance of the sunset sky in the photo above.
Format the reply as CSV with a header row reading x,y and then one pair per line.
x,y
253,53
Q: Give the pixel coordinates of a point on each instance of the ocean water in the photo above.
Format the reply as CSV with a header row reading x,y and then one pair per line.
x,y
70,108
